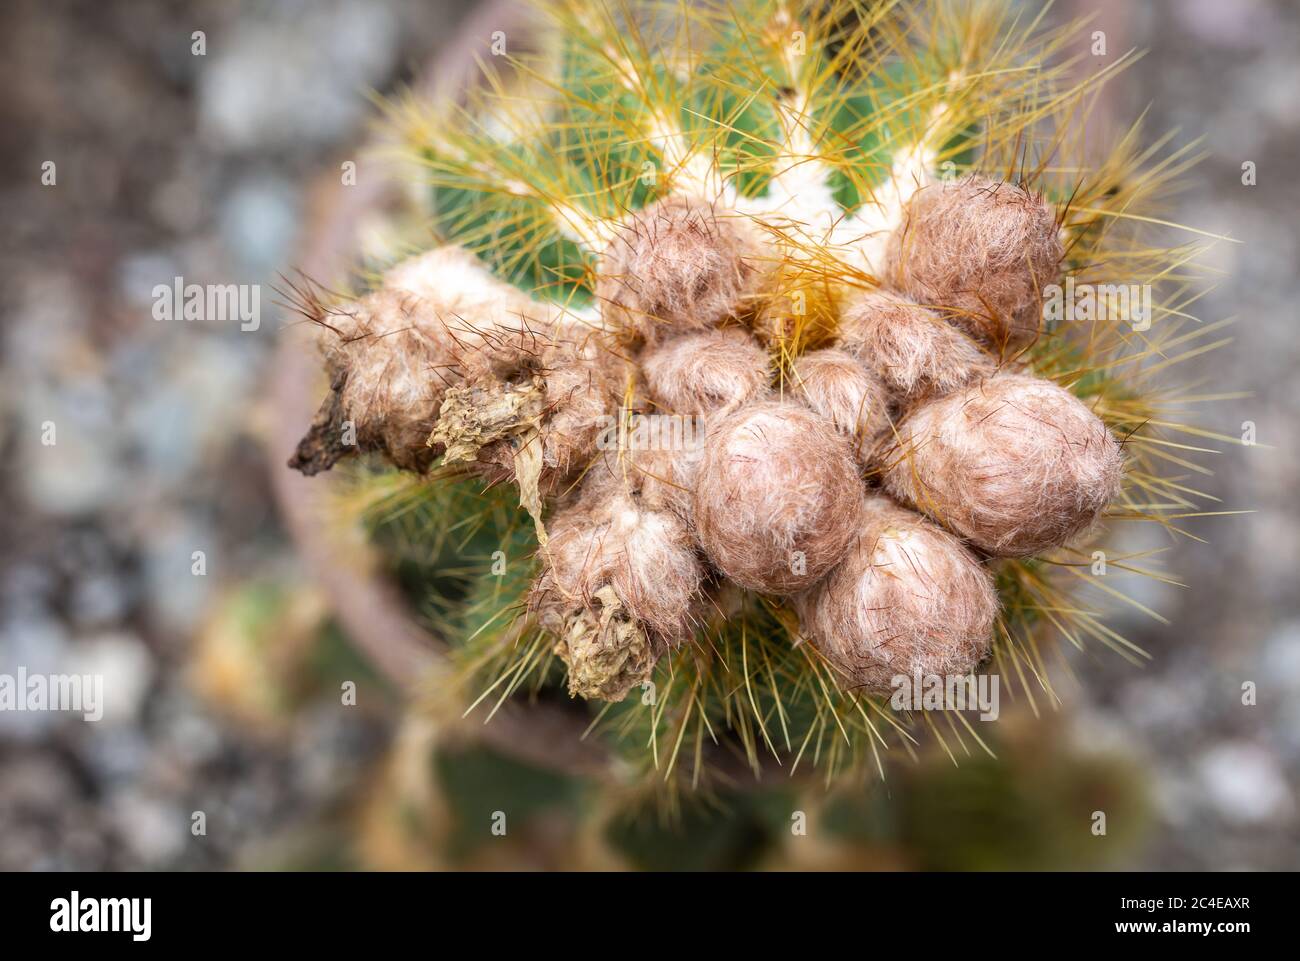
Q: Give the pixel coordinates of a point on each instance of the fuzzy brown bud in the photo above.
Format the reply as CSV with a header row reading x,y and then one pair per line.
x,y
676,265
707,373
836,385
1015,464
777,497
913,349
981,252
392,356
908,598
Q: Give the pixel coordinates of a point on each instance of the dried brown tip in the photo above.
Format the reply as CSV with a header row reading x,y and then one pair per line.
x,y
836,385
676,265
383,352
777,497
982,252
1014,464
913,349
479,415
326,441
617,590
605,649
713,372
908,598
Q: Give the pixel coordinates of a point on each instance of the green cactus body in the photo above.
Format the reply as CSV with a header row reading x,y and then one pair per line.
x,y
812,127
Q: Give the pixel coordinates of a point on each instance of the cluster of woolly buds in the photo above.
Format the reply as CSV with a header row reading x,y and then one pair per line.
x,y
1008,463
1014,463
908,598
777,497
771,497
836,385
982,252
708,373
913,350
678,264
620,585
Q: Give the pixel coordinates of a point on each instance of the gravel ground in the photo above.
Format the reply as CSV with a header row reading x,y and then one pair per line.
x,y
167,164
1225,773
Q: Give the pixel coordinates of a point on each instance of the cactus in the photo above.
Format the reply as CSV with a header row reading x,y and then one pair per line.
x,y
815,239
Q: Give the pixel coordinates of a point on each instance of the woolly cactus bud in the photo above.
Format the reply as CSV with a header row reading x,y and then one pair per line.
x,y
908,598
777,497
678,264
381,397
981,251
1014,464
393,354
617,589
659,477
912,349
837,386
523,391
713,372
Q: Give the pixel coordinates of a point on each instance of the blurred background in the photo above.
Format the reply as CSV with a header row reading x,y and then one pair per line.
x,y
223,687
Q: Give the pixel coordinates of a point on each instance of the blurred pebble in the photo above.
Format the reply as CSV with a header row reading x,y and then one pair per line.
x,y
1243,782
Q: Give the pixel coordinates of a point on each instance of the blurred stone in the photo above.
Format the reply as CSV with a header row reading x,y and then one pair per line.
x,y
1244,783
177,596
169,165
259,222
153,831
38,644
126,668
295,78
98,599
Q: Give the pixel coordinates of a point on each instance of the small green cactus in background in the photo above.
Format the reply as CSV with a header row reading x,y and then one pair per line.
x,y
748,372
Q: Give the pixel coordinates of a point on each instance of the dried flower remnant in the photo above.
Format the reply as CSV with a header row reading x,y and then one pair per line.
x,y
618,587
560,394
